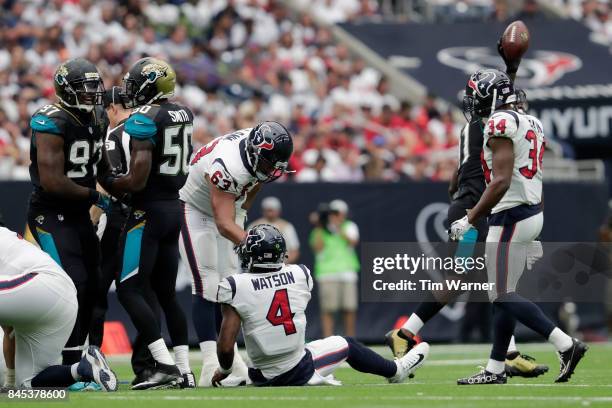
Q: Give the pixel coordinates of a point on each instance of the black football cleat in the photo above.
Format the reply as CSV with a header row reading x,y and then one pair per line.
x,y
188,381
569,359
163,376
522,365
483,377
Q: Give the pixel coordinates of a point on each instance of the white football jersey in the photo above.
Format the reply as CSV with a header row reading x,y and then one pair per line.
x,y
20,257
527,136
272,309
224,161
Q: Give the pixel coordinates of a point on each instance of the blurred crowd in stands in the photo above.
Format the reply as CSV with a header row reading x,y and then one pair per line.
x,y
237,62
242,61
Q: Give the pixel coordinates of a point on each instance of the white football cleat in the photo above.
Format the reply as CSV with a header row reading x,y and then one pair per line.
x,y
410,362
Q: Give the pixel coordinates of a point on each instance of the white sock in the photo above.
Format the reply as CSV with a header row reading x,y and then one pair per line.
x,y
560,340
181,354
74,372
495,367
209,352
414,324
9,380
512,345
160,352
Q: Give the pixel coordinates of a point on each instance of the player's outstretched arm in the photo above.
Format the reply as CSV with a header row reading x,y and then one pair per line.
x,y
224,211
140,168
230,326
50,157
503,164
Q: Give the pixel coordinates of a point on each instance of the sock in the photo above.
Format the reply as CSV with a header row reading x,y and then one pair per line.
x,y
560,340
512,346
57,376
503,327
70,357
160,352
181,354
365,360
74,372
495,367
209,352
414,324
9,380
204,318
526,312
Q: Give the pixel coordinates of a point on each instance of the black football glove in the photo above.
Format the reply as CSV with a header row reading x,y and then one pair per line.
x,y
511,66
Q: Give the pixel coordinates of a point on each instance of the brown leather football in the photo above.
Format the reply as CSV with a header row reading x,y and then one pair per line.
x,y
515,40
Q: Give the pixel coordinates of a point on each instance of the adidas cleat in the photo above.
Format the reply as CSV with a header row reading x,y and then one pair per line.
x,y
522,365
188,381
483,377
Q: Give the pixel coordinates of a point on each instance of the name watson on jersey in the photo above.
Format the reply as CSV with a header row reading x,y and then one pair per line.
x,y
274,281
429,285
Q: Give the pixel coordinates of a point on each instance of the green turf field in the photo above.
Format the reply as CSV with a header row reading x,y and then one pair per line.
x,y
433,386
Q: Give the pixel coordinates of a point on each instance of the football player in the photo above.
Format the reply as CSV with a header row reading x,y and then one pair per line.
x,y
512,164
224,177
160,145
465,190
67,138
269,303
41,328
117,154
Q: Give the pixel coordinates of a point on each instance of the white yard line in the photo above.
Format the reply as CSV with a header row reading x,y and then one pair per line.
x,y
138,396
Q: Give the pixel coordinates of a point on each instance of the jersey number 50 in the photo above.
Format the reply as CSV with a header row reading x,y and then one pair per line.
x,y
176,150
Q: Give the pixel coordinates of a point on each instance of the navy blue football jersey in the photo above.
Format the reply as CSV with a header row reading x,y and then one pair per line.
x,y
169,127
83,136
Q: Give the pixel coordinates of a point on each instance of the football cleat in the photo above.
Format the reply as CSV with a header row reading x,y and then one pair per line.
x,y
410,362
188,380
569,359
163,376
399,343
483,377
143,375
522,365
93,366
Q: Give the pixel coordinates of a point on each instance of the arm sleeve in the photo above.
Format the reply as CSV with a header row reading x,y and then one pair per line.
x,y
226,291
141,127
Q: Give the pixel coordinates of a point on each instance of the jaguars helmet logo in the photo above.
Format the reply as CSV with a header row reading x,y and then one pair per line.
x,y
153,71
61,74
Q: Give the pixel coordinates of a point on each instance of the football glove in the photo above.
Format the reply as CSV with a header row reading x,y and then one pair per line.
x,y
534,253
511,66
458,228
240,250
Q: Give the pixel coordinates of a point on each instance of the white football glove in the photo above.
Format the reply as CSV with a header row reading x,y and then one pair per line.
x,y
534,253
458,228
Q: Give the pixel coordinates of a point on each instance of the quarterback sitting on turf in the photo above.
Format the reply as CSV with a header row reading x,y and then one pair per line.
x,y
269,303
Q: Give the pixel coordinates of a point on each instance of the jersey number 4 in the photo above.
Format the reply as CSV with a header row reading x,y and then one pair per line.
x,y
176,150
280,312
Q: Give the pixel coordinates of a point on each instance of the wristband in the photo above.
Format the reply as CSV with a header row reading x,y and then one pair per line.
x,y
94,196
223,371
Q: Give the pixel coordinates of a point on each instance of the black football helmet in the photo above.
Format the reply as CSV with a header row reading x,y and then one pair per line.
x,y
486,90
78,84
148,80
269,147
264,249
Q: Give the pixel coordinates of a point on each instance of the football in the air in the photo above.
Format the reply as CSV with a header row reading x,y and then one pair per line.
x,y
515,40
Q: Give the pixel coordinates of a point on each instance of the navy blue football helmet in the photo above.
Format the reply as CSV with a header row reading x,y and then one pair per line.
x,y
487,90
263,250
269,147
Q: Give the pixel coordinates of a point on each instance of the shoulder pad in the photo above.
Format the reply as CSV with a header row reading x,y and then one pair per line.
x,y
142,127
45,124
226,290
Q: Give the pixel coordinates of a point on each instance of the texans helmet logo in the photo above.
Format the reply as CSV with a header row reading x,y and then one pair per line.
x,y
263,138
